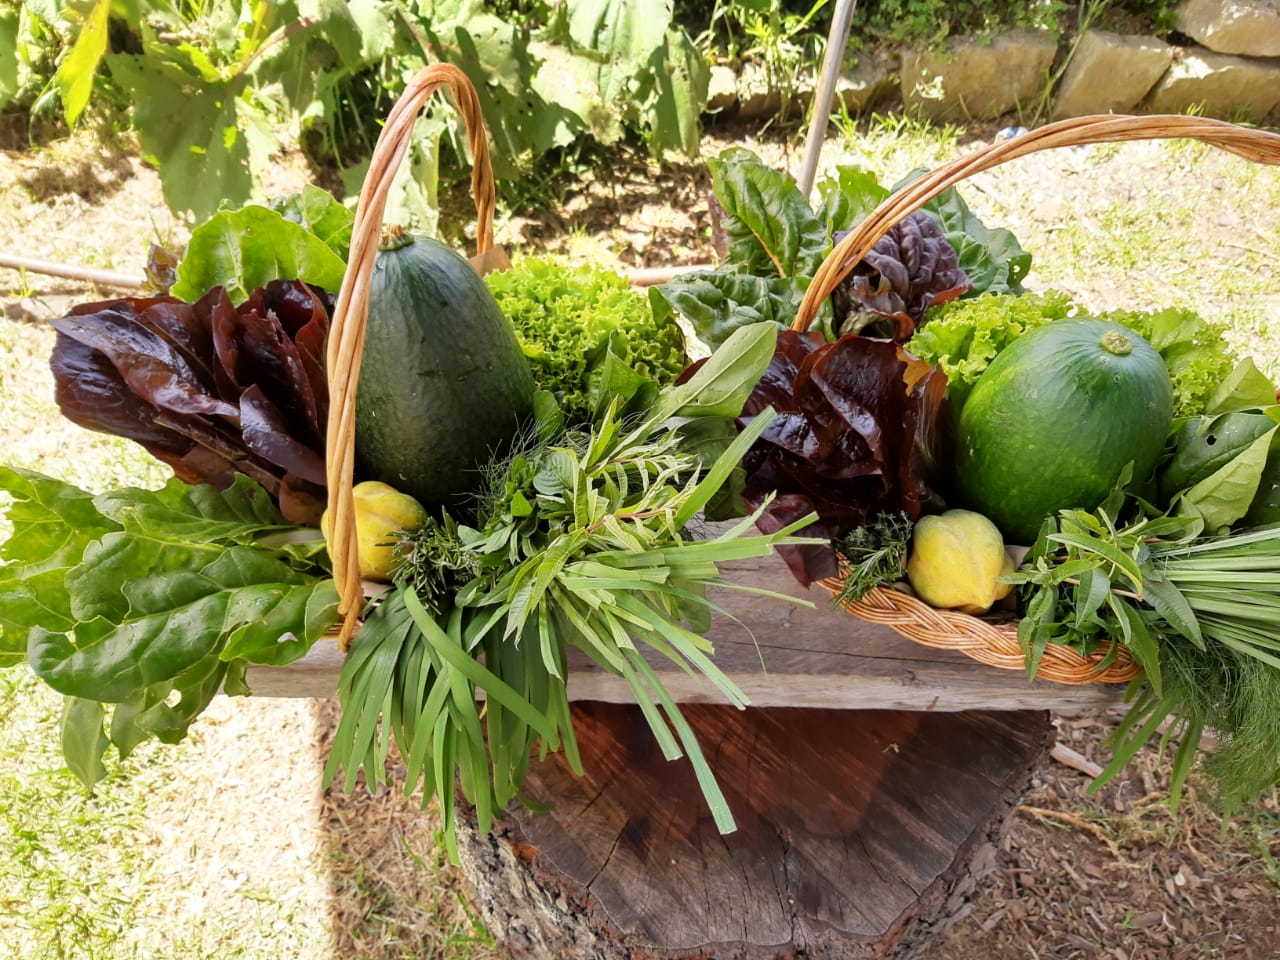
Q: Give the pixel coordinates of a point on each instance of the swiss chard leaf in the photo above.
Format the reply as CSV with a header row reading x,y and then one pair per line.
x,y
771,230
321,215
716,303
848,196
197,513
172,620
83,741
246,248
53,523
992,258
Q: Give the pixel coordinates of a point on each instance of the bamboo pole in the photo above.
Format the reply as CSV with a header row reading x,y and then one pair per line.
x,y
837,39
102,278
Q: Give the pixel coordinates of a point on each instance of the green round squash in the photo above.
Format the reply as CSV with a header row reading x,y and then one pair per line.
x,y
444,385
1054,419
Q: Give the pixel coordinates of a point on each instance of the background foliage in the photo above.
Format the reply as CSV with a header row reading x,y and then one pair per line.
x,y
212,88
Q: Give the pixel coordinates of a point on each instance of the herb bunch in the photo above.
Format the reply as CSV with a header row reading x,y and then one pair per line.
x,y
583,541
1200,614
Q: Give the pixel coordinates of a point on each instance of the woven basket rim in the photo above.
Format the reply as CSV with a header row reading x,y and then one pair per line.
x,y
993,643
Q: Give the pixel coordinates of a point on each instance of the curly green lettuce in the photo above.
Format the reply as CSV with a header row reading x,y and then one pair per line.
x,y
570,318
964,336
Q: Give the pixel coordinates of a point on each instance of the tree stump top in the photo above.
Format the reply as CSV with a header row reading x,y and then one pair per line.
x,y
860,833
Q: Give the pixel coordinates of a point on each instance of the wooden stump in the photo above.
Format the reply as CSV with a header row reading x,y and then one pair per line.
x,y
860,834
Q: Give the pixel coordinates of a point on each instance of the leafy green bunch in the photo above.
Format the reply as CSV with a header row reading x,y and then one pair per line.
x,y
140,605
1200,614
773,243
575,321
583,542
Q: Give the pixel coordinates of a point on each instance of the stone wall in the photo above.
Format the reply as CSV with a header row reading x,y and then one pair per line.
x,y
1228,66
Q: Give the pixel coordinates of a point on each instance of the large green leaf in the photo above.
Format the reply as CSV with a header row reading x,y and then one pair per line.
x,y
1225,496
993,259
681,77
191,129
716,303
497,59
848,196
239,595
570,81
194,513
321,215
771,229
1202,446
10,24
246,248
53,523
74,78
626,33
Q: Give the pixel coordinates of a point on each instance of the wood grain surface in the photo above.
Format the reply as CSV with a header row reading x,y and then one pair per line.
x,y
860,833
806,654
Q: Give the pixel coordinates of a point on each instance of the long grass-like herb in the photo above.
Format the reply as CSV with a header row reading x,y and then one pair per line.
x,y
1202,616
582,541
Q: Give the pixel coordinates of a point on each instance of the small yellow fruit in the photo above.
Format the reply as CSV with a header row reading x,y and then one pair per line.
x,y
955,560
382,512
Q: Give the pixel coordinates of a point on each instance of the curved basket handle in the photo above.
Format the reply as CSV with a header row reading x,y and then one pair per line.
x,y
1255,145
346,335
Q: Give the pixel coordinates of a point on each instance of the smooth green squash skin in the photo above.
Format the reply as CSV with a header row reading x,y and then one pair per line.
x,y
443,383
1055,418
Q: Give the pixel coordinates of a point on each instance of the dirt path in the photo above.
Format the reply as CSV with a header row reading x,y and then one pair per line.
x,y
1112,875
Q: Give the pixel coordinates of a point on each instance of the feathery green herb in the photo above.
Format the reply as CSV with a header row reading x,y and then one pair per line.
x,y
1200,614
874,554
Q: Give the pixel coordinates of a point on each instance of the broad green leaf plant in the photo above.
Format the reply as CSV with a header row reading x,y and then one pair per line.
x,y
210,87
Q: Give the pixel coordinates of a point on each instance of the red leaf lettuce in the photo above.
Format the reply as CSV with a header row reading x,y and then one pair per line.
x,y
856,435
207,387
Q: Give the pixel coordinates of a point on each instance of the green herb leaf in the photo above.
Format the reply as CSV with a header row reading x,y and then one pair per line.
x,y
1245,387
1224,497
720,387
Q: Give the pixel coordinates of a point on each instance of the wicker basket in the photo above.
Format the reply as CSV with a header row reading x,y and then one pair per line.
x,y
995,642
346,334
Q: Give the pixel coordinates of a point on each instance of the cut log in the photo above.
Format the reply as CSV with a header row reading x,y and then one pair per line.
x,y
860,834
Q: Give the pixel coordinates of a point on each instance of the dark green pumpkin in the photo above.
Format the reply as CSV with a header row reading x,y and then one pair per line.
x,y
444,385
1055,418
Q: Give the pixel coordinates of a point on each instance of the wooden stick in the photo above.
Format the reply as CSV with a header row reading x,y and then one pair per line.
x,y
1064,754
837,39
639,277
102,278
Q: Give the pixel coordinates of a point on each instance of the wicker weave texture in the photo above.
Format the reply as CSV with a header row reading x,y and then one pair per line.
x,y
994,643
989,642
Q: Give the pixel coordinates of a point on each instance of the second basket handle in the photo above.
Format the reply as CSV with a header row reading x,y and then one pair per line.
x,y
346,335
1256,145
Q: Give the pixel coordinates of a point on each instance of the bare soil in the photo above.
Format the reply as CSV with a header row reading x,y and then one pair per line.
x,y
1114,875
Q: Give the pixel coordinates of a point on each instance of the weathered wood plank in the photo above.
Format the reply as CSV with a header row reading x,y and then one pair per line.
x,y
860,834
814,656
